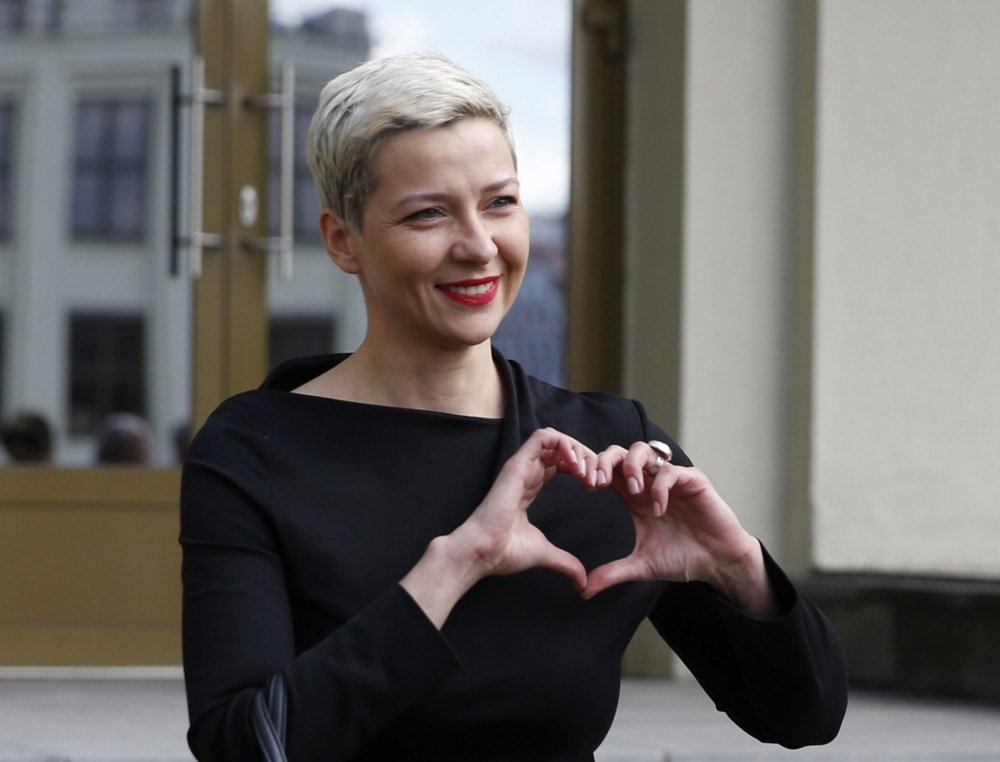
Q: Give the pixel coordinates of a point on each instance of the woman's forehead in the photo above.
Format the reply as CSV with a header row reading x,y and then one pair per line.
x,y
471,148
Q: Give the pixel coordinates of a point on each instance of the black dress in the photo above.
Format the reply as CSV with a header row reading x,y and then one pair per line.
x,y
300,515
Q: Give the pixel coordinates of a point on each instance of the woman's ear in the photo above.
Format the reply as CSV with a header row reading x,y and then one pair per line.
x,y
340,241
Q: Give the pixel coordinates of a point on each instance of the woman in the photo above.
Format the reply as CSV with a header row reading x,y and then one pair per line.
x,y
431,554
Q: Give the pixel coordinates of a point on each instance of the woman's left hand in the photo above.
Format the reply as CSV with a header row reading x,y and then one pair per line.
x,y
684,531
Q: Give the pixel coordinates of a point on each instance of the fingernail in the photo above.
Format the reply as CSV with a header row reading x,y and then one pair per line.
x,y
657,508
633,485
600,478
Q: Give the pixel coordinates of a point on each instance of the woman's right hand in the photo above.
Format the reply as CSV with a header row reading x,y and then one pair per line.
x,y
498,534
498,538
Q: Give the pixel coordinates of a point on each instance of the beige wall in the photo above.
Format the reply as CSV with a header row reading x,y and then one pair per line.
x,y
907,383
710,179
731,194
828,237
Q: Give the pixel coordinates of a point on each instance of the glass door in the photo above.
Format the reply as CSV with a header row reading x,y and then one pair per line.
x,y
94,324
103,322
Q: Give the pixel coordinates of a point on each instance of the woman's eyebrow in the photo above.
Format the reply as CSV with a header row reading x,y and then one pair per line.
x,y
435,196
430,196
499,184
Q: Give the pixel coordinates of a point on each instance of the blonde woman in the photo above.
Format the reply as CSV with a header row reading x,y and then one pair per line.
x,y
419,551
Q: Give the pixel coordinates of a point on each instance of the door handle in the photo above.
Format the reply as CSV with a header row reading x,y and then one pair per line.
x,y
194,239
283,243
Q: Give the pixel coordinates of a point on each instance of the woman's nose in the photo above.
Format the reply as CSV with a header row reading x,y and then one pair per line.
x,y
474,242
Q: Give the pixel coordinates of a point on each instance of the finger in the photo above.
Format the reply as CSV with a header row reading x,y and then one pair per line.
x,y
607,462
660,487
566,563
682,480
640,457
628,569
577,458
610,473
549,442
549,448
675,480
663,483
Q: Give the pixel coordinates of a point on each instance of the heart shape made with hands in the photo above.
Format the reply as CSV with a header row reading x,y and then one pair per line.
x,y
683,528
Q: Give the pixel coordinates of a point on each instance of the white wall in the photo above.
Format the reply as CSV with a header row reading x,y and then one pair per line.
x,y
907,323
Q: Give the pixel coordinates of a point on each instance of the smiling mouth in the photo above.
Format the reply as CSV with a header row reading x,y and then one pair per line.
x,y
472,293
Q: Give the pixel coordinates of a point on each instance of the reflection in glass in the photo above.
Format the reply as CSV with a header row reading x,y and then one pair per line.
x,y
13,14
91,322
320,310
109,169
107,369
306,202
6,163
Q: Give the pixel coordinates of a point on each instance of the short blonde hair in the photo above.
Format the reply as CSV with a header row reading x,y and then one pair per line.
x,y
363,107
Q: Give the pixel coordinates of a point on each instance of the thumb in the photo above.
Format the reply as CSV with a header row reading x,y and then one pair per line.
x,y
565,563
628,569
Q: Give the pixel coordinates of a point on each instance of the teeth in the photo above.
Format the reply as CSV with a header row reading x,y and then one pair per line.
x,y
482,288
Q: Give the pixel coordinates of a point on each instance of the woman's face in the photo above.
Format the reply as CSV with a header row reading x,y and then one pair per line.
x,y
444,240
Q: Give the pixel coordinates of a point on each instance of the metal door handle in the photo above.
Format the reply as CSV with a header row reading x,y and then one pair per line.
x,y
194,239
197,238
283,244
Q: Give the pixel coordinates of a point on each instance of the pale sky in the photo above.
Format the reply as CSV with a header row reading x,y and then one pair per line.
x,y
519,47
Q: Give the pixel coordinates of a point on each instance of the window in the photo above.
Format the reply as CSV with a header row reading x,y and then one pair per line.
x,y
150,14
12,15
305,209
107,361
109,172
6,168
299,336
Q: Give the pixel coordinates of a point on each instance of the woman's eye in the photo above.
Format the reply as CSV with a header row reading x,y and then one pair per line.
x,y
503,202
425,214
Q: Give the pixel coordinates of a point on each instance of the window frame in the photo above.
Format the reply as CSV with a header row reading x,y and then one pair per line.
x,y
108,167
135,378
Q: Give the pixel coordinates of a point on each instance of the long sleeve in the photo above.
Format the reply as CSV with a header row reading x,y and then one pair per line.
x,y
238,621
782,680
301,514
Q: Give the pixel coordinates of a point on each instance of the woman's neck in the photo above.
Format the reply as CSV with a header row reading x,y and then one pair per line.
x,y
466,382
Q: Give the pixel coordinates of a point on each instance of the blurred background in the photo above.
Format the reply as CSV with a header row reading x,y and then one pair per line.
x,y
775,222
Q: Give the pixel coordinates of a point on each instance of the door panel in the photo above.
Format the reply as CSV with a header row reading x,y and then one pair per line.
x,y
89,566
93,321
98,312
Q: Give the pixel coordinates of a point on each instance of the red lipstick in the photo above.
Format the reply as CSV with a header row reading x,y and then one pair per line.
x,y
474,292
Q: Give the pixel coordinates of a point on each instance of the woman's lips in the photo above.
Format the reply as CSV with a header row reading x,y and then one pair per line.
x,y
472,293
